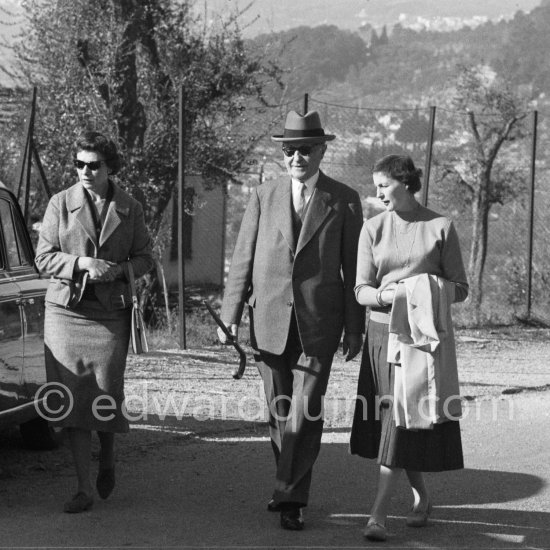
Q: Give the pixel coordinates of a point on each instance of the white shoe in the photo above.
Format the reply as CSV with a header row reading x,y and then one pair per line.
x,y
420,517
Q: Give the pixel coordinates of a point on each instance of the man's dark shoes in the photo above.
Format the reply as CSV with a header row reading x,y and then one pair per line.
x,y
291,518
273,506
105,482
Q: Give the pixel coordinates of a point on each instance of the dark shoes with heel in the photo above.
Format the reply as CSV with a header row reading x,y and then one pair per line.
x,y
105,482
273,506
79,503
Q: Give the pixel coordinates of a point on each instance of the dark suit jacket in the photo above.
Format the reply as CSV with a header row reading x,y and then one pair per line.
x,y
68,232
314,276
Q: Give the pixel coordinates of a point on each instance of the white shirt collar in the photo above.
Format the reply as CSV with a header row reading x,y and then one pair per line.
x,y
310,184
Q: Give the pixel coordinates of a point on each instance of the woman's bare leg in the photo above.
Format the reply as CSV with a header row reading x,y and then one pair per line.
x,y
386,483
418,486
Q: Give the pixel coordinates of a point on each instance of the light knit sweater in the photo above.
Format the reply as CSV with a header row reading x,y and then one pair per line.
x,y
396,245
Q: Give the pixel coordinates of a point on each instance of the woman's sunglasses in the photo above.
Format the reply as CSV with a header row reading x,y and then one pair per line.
x,y
93,165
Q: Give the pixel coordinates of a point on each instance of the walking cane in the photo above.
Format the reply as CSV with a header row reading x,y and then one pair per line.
x,y
239,371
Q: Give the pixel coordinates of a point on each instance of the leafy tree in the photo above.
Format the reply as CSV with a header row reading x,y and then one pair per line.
x,y
523,55
414,130
420,64
117,66
312,57
383,38
374,40
494,116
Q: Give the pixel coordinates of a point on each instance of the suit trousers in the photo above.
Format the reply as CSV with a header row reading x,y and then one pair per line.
x,y
294,386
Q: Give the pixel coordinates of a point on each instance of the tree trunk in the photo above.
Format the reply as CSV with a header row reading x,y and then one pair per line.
x,y
130,113
478,250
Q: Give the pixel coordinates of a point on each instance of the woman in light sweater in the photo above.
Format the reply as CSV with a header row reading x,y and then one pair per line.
x,y
405,240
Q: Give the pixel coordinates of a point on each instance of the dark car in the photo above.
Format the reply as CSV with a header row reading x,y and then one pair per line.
x,y
22,292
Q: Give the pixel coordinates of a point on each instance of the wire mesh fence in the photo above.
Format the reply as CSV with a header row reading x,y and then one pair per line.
x,y
507,218
436,139
540,265
16,156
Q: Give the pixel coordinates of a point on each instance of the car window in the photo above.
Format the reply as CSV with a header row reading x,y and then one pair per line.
x,y
13,234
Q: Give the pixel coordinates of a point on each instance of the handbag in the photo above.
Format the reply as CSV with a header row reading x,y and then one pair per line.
x,y
138,334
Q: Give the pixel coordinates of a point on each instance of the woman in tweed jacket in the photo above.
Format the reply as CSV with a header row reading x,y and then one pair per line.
x,y
89,234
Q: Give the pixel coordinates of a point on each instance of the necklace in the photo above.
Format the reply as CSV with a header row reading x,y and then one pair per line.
x,y
412,226
403,227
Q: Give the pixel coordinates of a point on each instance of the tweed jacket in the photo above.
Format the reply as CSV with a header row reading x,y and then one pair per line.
x,y
314,276
68,232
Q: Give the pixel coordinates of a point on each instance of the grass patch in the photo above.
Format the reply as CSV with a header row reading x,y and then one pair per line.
x,y
200,327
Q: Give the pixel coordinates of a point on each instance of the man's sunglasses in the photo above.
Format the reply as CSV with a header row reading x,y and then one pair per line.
x,y
93,165
304,150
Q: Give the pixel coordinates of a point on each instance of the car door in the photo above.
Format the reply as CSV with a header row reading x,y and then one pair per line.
x,y
27,297
32,293
11,316
11,346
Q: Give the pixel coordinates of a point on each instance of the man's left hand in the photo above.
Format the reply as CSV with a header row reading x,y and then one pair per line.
x,y
352,345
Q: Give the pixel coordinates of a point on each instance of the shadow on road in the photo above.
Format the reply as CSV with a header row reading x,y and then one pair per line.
x,y
192,483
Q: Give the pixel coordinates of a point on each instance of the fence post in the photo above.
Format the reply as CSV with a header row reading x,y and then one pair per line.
x,y
428,165
25,176
43,178
531,215
306,101
181,211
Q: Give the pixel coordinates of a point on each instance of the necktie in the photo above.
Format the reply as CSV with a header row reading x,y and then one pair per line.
x,y
301,206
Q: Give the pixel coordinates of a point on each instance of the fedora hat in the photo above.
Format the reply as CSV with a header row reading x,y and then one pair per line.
x,y
303,128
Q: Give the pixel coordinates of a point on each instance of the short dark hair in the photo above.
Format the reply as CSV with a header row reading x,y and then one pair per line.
x,y
402,169
98,143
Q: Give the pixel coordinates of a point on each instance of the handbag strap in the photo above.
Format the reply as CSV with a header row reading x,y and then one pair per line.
x,y
132,281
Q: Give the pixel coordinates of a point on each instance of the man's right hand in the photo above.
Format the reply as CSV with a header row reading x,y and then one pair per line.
x,y
233,329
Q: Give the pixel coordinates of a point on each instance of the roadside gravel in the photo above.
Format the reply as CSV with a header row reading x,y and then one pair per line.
x,y
493,363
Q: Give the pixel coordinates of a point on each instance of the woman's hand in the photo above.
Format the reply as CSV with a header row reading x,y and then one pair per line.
x,y
99,271
388,293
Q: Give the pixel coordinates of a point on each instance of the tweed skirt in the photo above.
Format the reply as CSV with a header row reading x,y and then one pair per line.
x,y
374,433
86,349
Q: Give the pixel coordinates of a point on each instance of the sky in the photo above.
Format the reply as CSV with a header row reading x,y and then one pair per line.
x,y
10,23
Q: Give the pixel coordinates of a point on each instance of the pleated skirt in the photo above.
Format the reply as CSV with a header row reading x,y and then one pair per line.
x,y
86,349
374,433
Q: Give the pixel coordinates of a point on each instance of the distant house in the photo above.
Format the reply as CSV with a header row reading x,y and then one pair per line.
x,y
12,101
203,234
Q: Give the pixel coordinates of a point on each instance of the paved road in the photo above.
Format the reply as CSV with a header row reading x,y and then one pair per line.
x,y
204,484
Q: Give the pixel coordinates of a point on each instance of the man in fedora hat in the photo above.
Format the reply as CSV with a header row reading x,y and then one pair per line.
x,y
294,265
